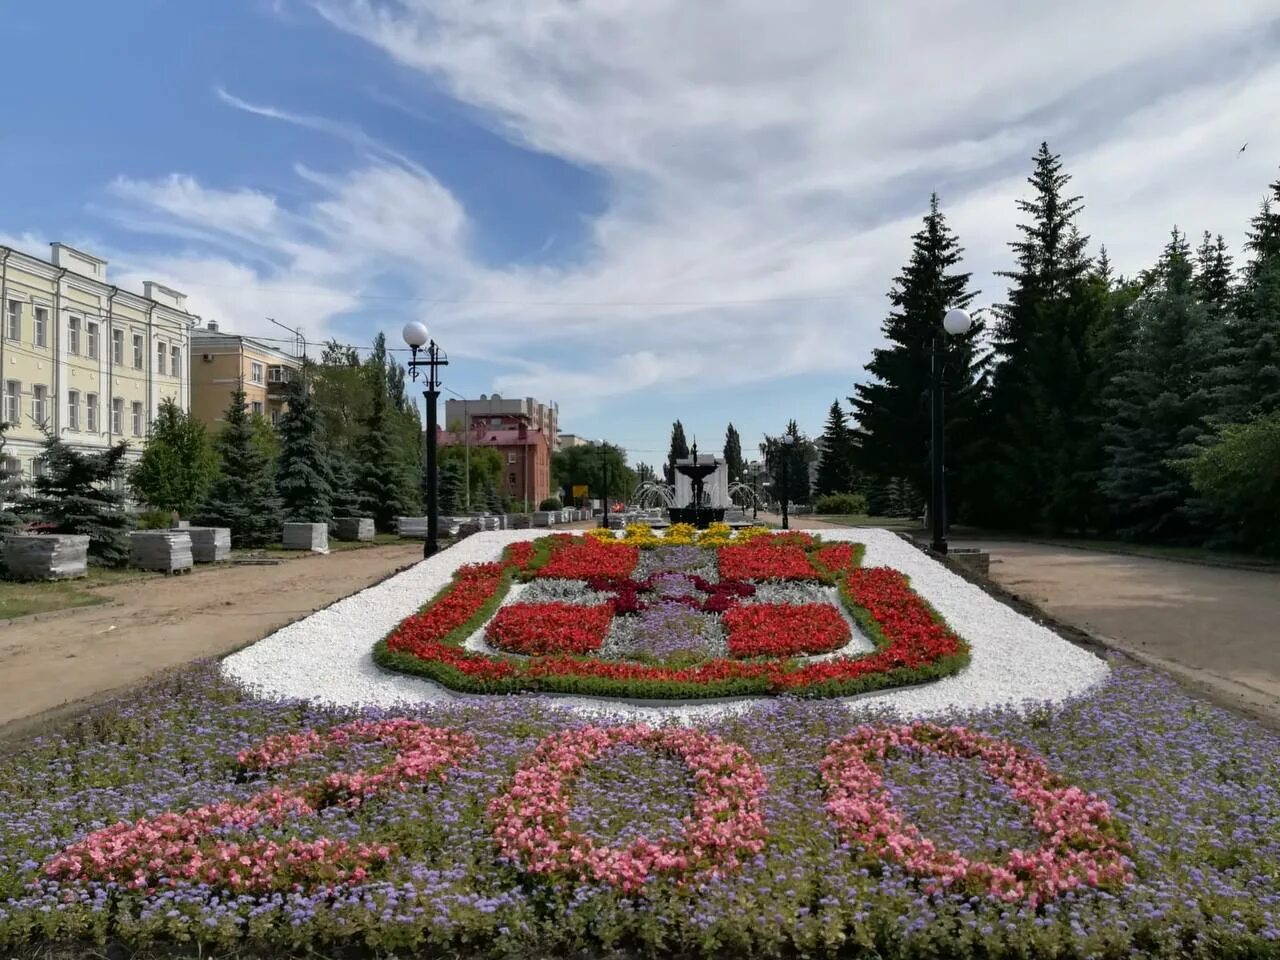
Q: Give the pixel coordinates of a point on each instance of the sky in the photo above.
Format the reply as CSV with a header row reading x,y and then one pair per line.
x,y
643,210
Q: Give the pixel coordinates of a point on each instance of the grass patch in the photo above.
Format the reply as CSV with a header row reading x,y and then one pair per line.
x,y
24,599
865,520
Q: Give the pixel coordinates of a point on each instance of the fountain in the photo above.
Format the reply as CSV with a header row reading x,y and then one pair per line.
x,y
697,469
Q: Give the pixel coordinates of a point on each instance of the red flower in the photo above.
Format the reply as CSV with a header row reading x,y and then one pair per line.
x,y
536,629
784,629
763,559
588,557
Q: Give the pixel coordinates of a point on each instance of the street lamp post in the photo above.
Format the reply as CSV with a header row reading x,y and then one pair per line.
x,y
416,336
604,489
788,440
955,323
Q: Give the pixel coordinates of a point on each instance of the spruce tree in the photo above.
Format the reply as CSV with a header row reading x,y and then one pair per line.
x,y
678,450
1039,405
303,479
450,489
788,464
243,496
10,494
1158,411
381,477
1257,334
835,463
345,500
80,493
892,406
733,454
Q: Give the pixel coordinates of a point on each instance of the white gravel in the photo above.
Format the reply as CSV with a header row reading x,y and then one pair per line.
x,y
326,657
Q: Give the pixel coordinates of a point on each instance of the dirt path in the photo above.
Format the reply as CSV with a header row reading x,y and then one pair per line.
x,y
1214,627
51,663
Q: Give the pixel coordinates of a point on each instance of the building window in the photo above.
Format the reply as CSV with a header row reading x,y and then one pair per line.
x,y
13,402
117,347
91,339
39,467
278,374
511,458
13,321
73,409
137,419
255,408
11,466
255,373
137,351
91,412
39,403
275,417
160,354
175,361
117,415
40,327
511,480
73,335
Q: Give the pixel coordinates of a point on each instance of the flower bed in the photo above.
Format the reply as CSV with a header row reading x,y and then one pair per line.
x,y
912,645
1192,792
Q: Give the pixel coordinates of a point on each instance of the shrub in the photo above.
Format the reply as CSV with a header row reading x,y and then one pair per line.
x,y
551,503
841,503
155,519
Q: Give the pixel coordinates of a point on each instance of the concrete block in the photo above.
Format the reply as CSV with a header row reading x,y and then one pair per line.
x,y
307,536
210,544
540,518
353,528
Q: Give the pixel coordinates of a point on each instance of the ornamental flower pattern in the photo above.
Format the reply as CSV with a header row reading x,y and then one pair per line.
x,y
566,647
1080,846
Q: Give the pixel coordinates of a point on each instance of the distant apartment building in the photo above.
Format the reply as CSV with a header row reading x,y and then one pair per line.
x,y
523,432
222,363
82,358
569,440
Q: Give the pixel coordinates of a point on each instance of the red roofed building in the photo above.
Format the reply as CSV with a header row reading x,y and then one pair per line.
x,y
525,452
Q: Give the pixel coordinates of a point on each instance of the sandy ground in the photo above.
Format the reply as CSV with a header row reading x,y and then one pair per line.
x,y
50,665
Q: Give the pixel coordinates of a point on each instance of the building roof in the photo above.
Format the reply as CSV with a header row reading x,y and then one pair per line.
x,y
206,336
495,438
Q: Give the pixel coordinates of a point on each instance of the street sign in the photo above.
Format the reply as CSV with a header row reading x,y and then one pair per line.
x,y
579,489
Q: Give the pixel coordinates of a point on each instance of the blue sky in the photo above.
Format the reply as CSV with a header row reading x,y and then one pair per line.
x,y
642,209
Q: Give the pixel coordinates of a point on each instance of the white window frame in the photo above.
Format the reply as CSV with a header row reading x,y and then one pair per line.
x,y
139,352
91,339
39,402
39,467
161,350
91,412
40,326
117,348
255,408
256,372
73,335
135,418
13,320
13,402
275,416
175,361
117,416
73,410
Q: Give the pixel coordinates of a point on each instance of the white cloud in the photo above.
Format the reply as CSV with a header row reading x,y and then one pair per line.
x,y
766,167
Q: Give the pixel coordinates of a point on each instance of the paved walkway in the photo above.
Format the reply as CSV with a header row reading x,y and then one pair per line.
x,y
1217,628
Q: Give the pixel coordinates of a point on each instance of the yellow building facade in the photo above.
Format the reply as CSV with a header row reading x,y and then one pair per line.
x,y
83,358
223,362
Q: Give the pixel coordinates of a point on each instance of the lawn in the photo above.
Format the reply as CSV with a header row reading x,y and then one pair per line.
x,y
24,599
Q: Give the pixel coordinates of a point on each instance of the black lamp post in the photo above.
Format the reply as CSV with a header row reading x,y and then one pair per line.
x,y
604,490
788,441
956,322
416,336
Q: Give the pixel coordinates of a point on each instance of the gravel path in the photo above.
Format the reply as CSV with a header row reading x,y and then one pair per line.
x,y
327,656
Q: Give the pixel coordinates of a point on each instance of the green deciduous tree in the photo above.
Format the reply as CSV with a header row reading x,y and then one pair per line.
x,y
1239,474
303,479
576,466
80,493
788,464
178,464
243,495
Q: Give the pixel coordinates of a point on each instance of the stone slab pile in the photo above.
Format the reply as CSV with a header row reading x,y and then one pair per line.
x,y
168,551
210,544
353,528
307,536
46,556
